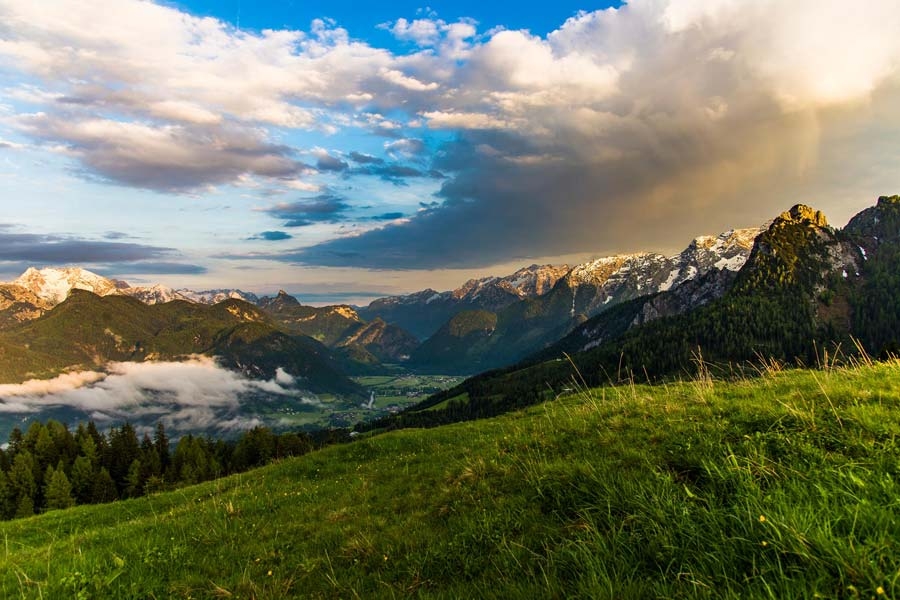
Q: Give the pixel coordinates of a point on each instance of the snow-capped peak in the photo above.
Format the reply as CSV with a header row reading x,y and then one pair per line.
x,y
216,296
53,284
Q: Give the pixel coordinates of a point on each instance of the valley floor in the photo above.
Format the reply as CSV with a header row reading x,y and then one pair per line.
x,y
784,486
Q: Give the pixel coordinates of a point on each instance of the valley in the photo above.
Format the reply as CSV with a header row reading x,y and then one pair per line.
x,y
788,292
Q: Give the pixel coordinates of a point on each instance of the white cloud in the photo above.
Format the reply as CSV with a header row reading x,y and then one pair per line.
x,y
658,107
188,396
465,120
424,32
410,83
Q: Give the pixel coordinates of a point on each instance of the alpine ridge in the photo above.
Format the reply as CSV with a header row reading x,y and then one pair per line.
x,y
588,289
806,292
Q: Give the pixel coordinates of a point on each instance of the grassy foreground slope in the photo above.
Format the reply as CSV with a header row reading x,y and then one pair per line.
x,y
787,486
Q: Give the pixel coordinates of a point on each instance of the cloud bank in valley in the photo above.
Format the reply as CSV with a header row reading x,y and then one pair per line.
x,y
622,129
185,396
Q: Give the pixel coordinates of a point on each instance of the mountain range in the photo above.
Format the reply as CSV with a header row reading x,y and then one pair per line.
x,y
807,292
481,339
773,291
484,323
87,331
423,313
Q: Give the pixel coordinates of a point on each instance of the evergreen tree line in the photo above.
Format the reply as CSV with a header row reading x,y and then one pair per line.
x,y
49,467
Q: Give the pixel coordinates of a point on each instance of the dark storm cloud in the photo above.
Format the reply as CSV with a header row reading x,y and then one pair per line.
x,y
388,216
497,206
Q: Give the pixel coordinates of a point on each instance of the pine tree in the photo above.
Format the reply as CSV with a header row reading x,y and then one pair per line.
x,y
83,480
161,444
15,442
134,480
7,499
123,449
24,508
58,491
24,486
104,488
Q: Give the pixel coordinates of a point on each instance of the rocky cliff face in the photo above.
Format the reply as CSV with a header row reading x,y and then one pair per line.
x,y
18,304
597,285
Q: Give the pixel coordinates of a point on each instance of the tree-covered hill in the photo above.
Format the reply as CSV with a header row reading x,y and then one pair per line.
x,y
86,331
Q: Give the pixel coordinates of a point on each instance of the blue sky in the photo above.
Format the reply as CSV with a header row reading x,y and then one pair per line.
x,y
348,150
362,18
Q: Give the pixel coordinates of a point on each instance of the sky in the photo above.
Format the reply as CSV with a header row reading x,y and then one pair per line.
x,y
344,151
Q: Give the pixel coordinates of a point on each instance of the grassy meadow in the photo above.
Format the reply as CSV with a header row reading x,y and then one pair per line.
x,y
786,485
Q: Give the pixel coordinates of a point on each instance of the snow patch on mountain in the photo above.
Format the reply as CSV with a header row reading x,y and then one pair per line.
x,y
216,296
53,285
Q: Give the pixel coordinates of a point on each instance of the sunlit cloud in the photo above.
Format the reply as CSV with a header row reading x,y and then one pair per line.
x,y
622,129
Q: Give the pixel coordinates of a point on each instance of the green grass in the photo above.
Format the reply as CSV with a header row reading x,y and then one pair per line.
x,y
461,399
786,486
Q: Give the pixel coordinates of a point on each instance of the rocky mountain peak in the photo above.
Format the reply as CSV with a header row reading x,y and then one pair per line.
x,y
888,201
803,214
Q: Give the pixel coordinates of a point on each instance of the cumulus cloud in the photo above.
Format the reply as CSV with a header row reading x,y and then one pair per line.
x,y
625,128
642,126
195,395
172,157
146,95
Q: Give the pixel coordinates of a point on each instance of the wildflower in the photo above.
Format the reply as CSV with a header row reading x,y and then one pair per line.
x,y
269,574
762,518
879,590
764,543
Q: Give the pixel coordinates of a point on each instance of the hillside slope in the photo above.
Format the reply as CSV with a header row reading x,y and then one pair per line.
x,y
784,486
